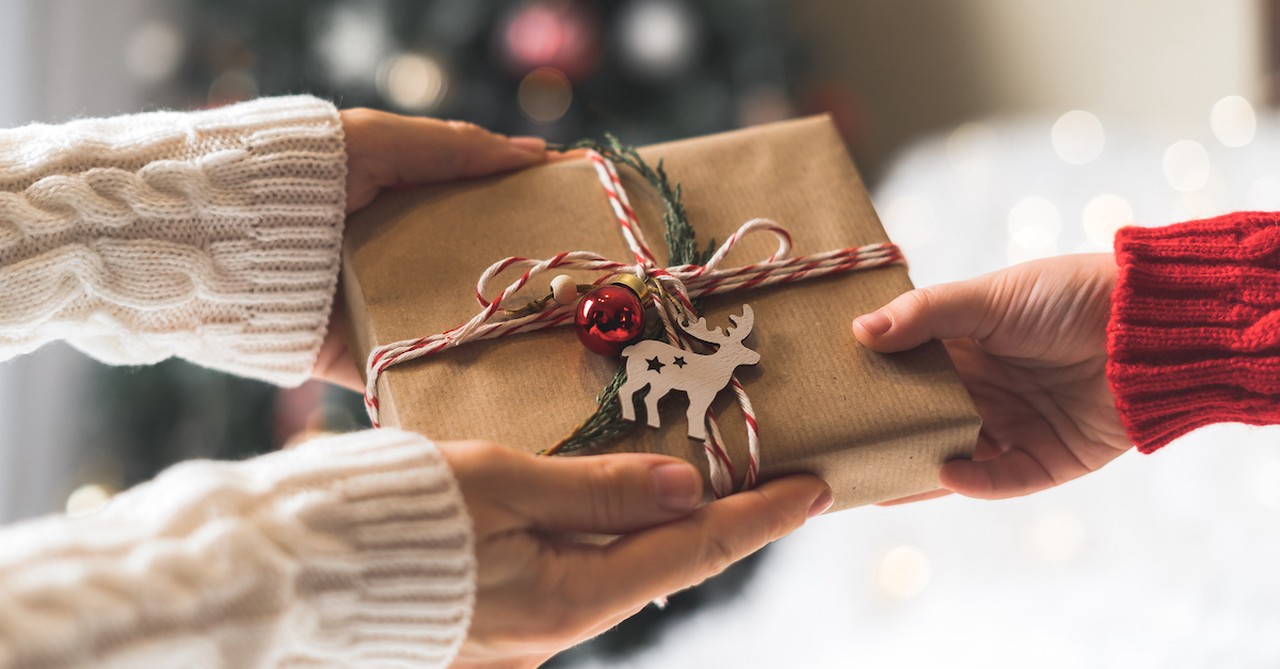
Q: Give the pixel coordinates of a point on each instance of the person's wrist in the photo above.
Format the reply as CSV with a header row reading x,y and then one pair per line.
x,y
335,362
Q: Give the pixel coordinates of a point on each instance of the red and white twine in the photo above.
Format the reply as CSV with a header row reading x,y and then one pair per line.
x,y
684,282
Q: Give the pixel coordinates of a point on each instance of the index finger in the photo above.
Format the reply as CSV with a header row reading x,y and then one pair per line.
x,y
417,150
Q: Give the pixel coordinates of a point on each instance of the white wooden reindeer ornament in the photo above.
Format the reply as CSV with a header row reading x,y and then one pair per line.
x,y
664,368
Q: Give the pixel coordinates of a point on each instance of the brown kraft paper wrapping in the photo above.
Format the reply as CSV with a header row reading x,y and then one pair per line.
x,y
874,426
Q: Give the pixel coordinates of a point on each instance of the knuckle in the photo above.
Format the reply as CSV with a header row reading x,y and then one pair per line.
x,y
474,456
361,114
362,122
469,136
367,143
995,297
774,520
778,523
604,493
485,450
718,553
488,450
722,545
466,130
921,300
721,549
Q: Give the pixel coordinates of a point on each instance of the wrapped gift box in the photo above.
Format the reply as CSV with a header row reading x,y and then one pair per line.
x,y
874,426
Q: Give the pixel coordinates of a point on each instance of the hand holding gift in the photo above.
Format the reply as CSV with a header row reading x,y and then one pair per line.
x,y
1030,344
537,595
388,150
1072,360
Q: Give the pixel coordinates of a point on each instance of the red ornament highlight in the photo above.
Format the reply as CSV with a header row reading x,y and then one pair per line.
x,y
609,318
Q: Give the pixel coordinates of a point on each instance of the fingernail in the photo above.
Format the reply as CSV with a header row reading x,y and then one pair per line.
x,y
530,144
876,322
824,502
676,486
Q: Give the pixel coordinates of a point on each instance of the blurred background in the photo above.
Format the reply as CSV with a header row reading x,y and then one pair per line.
x,y
990,132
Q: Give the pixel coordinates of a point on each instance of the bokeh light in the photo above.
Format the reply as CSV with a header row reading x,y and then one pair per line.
x,y
1078,137
560,35
88,499
232,86
350,40
154,52
1034,223
658,37
1186,166
764,104
1103,215
904,572
412,81
1034,226
545,94
1233,121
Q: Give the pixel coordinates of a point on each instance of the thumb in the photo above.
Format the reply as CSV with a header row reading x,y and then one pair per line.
x,y
946,311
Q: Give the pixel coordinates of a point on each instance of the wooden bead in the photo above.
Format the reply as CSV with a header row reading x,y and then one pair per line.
x,y
564,290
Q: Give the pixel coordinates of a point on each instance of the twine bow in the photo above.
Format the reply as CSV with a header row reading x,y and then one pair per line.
x,y
678,285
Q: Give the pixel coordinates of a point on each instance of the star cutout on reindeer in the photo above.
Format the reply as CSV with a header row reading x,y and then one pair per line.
x,y
700,376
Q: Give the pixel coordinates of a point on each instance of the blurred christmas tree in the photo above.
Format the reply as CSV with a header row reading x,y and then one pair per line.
x,y
646,70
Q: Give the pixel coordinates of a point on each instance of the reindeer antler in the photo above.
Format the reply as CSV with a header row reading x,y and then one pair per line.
x,y
699,330
741,328
742,324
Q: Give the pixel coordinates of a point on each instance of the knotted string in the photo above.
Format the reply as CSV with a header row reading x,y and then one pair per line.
x,y
677,287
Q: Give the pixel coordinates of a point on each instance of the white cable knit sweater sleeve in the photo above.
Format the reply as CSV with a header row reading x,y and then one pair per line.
x,y
349,551
210,235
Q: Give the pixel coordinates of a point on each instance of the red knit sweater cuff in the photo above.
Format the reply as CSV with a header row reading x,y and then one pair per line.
x,y
1194,336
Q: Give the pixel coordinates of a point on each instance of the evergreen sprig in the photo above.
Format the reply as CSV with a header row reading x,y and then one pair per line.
x,y
682,247
606,423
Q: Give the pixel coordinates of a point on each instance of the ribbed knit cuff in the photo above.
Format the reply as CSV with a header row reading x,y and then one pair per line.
x,y
278,171
401,591
292,194
354,550
1194,337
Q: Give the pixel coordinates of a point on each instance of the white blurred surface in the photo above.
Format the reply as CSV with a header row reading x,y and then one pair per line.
x,y
1155,561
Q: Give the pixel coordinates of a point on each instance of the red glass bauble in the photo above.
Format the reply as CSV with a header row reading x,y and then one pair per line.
x,y
609,318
